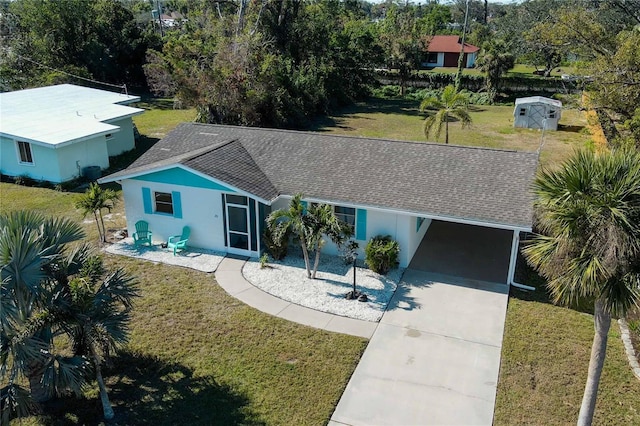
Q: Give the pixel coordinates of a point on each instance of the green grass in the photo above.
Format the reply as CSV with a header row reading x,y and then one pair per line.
x,y
519,70
199,356
545,356
492,127
160,117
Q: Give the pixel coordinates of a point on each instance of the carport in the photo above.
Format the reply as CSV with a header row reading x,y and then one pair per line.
x,y
464,250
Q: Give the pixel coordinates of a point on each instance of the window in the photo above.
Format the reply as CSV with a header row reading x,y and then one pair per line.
x,y
108,136
523,111
24,150
164,202
432,58
552,113
346,214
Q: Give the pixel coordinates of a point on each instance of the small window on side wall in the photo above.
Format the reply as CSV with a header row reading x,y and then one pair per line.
x,y
552,113
523,111
346,214
164,202
24,151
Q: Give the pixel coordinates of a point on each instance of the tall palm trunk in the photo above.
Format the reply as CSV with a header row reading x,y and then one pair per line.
x,y
34,374
305,254
602,322
446,128
95,215
104,230
104,397
317,261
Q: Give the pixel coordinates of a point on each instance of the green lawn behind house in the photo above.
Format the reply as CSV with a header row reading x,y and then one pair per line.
x,y
492,127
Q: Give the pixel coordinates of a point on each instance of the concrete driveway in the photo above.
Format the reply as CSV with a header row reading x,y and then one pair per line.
x,y
434,358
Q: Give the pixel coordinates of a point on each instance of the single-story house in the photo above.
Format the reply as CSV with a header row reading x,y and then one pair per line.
x,y
222,181
53,133
537,112
444,51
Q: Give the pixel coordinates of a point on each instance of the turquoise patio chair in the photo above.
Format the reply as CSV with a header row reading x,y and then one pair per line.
x,y
179,242
142,234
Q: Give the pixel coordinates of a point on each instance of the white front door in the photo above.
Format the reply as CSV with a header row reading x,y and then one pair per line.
x,y
238,226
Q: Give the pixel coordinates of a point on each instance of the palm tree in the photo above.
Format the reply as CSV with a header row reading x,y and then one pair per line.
x,y
494,61
451,103
588,216
93,201
291,220
320,221
32,257
98,317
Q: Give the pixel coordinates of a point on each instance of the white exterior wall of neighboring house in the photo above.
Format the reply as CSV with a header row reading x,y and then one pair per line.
x,y
201,211
122,140
53,164
75,157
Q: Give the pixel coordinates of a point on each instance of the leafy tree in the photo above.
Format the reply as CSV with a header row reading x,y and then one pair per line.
x,y
321,221
588,249
292,220
617,77
98,316
34,263
97,39
495,60
450,103
403,42
93,201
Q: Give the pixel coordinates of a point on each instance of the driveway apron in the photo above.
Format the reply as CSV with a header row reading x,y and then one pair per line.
x,y
434,358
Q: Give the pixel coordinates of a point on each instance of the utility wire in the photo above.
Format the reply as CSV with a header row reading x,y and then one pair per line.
x,y
122,87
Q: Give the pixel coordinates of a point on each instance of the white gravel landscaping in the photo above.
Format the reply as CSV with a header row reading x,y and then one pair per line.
x,y
288,280
198,259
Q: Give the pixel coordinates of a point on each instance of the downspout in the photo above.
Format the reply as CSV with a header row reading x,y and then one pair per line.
x,y
515,243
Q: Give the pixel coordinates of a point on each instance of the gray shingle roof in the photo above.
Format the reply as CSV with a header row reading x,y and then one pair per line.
x,y
486,185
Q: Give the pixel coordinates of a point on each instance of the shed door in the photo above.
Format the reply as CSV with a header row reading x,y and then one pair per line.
x,y
537,114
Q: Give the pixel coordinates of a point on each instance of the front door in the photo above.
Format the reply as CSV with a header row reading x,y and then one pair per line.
x,y
238,227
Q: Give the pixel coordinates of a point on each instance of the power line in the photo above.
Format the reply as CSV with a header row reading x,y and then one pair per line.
x,y
122,87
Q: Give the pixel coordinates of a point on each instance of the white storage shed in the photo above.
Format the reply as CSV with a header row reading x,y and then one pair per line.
x,y
537,112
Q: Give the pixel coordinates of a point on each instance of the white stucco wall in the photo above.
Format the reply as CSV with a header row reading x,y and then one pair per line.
x,y
122,140
73,158
201,211
401,227
54,165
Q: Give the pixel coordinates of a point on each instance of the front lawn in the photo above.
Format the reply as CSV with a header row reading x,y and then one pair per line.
x,y
199,356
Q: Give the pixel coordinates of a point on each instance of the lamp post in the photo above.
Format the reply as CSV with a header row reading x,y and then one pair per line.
x,y
353,255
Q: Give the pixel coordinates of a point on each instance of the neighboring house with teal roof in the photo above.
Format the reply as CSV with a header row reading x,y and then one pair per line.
x,y
222,181
52,133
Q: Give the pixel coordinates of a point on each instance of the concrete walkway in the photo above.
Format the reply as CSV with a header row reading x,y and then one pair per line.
x,y
434,359
229,276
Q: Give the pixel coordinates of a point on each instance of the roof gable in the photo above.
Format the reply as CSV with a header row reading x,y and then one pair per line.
x,y
180,176
449,44
486,185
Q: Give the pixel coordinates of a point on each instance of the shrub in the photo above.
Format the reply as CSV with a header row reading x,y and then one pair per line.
x,y
381,254
276,248
25,180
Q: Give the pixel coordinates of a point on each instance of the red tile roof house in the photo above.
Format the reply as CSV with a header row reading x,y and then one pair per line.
x,y
444,50
464,205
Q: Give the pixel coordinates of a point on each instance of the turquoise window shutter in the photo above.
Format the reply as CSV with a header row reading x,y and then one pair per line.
x,y
361,224
146,200
304,206
177,205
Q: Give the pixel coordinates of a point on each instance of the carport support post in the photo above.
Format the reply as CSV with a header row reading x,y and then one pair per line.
x,y
515,244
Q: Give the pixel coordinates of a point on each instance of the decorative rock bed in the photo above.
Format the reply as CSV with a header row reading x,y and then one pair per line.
x,y
288,280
